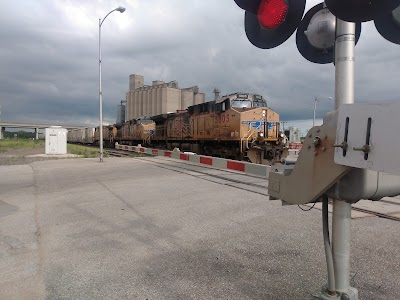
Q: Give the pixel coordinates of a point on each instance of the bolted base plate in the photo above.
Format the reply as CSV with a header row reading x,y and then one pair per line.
x,y
350,294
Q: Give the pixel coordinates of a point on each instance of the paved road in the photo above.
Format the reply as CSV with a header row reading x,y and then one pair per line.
x,y
129,229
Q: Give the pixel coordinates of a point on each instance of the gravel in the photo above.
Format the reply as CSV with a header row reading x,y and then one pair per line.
x,y
24,156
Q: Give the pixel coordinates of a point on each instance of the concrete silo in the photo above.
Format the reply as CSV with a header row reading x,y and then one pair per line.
x,y
159,98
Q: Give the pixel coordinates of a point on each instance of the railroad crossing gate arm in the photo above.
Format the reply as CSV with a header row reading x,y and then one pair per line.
x,y
370,135
314,172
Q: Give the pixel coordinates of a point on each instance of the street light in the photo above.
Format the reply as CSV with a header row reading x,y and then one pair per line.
x,y
121,10
315,106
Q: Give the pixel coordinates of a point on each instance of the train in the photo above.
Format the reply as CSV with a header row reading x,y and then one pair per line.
x,y
236,126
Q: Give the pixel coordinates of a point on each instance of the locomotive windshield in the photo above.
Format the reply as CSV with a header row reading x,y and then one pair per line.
x,y
248,100
259,103
241,103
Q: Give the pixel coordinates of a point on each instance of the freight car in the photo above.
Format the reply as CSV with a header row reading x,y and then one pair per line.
x,y
81,136
239,126
90,136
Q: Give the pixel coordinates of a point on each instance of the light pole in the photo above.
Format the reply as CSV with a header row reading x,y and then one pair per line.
x,y
121,10
316,99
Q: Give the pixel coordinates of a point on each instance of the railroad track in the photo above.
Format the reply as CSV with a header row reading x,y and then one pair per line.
x,y
118,153
242,181
378,214
258,188
225,177
112,151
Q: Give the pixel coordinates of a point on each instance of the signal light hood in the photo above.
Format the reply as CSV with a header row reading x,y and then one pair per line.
x,y
360,11
388,25
249,5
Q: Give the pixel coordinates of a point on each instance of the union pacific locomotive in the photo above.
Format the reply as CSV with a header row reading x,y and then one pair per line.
x,y
237,126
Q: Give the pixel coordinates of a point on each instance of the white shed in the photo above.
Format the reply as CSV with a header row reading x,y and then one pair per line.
x,y
56,140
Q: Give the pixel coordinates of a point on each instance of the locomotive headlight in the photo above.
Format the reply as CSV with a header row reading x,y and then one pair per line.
x,y
264,112
260,135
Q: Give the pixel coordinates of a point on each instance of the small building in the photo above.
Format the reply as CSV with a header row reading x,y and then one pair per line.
x,y
56,140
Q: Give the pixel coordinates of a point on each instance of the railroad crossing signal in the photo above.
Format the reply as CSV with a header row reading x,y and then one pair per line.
x,y
269,23
323,36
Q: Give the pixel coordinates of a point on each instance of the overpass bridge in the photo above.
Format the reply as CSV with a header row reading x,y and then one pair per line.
x,y
35,126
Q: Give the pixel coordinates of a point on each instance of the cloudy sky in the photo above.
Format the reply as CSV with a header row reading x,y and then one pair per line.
x,y
49,59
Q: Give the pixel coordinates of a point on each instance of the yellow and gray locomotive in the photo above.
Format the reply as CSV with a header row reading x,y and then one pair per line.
x,y
242,125
238,126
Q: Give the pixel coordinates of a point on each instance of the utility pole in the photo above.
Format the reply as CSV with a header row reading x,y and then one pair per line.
x,y
216,93
121,10
283,125
316,99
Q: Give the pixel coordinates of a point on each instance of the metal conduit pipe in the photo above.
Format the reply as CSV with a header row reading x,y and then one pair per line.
x,y
289,160
327,245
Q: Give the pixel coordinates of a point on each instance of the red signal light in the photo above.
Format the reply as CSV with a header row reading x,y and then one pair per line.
x,y
271,13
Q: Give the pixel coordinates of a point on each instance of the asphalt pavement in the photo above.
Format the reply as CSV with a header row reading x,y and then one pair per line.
x,y
129,229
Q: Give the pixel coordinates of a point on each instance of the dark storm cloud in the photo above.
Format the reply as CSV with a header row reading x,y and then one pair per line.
x,y
49,59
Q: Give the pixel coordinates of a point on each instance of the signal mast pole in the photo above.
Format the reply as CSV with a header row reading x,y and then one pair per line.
x,y
344,94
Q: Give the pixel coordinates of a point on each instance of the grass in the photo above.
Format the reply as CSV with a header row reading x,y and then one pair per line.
x,y
6,145
87,152
13,144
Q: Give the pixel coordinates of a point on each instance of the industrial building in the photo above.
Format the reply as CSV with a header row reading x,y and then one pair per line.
x,y
159,98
